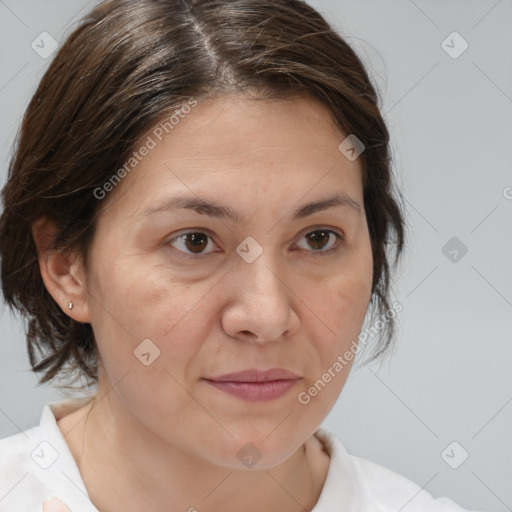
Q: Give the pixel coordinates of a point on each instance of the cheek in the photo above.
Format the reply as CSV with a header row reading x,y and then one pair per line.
x,y
333,335
126,308
342,299
149,376
142,298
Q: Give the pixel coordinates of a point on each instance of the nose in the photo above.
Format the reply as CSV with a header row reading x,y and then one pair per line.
x,y
261,303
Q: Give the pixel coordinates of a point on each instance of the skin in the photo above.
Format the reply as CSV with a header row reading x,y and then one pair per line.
x,y
53,504
172,436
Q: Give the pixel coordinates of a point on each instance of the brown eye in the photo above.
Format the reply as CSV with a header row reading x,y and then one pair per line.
x,y
322,241
196,242
192,242
318,239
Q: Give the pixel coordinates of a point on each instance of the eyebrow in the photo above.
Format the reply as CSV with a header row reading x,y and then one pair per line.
x,y
214,209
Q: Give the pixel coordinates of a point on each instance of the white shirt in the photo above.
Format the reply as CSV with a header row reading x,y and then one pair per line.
x,y
37,463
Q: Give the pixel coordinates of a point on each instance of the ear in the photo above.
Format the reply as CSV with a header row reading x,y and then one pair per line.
x,y
62,272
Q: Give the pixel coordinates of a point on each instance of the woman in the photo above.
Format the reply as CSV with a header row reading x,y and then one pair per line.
x,y
196,220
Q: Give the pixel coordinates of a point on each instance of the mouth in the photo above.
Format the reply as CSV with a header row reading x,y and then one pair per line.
x,y
255,385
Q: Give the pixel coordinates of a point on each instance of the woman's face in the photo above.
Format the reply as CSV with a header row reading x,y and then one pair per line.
x,y
270,289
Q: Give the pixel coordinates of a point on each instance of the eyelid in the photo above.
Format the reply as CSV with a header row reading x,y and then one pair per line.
x,y
339,234
186,231
323,227
340,240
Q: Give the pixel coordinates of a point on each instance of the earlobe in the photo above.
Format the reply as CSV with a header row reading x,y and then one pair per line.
x,y
58,271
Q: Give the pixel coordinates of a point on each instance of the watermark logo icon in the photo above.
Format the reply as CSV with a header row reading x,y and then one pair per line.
x,y
351,147
146,352
44,45
44,455
249,249
454,455
454,45
249,455
454,249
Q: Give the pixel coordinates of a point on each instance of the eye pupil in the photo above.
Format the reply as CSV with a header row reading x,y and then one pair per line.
x,y
318,236
195,239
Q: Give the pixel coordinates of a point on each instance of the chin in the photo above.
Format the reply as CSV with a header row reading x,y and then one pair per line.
x,y
256,449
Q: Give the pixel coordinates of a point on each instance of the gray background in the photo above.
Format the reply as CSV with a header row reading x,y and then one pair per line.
x,y
451,123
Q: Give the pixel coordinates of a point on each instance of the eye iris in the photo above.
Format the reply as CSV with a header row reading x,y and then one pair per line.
x,y
318,236
196,239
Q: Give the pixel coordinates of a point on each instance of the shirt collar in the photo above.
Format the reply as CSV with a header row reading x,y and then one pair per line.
x,y
341,489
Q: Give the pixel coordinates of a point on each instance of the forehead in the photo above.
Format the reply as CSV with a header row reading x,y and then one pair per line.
x,y
235,145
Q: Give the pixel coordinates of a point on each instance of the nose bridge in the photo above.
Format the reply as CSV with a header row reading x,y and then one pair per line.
x,y
259,271
259,307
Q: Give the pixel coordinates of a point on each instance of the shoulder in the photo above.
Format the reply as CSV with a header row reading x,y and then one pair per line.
x,y
396,492
377,488
19,482
36,463
15,448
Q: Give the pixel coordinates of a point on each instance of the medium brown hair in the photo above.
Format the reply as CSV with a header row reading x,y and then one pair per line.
x,y
128,64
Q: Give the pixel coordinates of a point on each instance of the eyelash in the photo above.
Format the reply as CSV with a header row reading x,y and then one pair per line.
x,y
340,238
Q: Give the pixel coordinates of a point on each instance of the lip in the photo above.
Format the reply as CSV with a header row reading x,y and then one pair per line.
x,y
256,376
256,385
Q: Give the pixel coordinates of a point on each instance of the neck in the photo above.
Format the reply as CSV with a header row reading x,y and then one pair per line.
x,y
127,467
